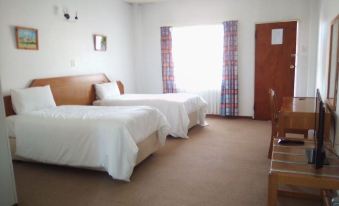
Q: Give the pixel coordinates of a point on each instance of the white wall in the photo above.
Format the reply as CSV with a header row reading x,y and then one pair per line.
x,y
61,41
151,17
329,9
7,188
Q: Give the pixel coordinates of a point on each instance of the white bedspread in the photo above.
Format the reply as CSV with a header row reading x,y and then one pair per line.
x,y
89,136
176,108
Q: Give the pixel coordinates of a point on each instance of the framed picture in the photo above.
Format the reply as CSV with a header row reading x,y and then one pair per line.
x,y
26,38
100,42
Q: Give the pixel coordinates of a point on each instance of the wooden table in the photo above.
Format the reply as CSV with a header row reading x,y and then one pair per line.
x,y
289,166
296,113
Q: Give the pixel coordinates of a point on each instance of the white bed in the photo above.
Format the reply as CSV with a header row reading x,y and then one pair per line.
x,y
87,136
182,110
113,139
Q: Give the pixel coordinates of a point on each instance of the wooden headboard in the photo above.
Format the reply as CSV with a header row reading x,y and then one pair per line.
x,y
68,90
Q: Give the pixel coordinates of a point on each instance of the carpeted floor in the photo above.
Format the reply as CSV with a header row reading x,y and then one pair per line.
x,y
222,164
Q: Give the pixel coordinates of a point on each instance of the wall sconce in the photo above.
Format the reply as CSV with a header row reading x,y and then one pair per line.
x,y
68,16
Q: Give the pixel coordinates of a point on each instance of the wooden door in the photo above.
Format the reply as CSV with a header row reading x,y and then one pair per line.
x,y
275,52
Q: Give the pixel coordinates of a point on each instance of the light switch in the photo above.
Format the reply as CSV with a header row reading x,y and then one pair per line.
x,y
73,63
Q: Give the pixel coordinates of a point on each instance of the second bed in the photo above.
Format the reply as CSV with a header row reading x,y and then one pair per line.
x,y
182,110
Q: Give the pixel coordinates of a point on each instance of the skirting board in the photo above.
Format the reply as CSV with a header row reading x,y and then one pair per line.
x,y
234,117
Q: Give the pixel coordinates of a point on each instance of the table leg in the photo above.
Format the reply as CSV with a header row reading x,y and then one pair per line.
x,y
272,190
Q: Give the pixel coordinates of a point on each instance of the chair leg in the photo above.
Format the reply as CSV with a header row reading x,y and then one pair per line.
x,y
269,155
273,135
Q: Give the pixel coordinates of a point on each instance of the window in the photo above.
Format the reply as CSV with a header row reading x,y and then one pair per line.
x,y
198,61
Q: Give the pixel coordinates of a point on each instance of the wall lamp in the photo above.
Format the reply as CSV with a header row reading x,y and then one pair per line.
x,y
68,16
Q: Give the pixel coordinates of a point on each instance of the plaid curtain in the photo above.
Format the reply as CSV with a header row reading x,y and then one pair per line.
x,y
229,88
167,61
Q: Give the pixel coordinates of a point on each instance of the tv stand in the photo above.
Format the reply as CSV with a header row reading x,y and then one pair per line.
x,y
311,154
289,166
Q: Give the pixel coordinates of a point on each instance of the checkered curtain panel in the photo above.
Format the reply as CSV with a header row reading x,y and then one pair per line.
x,y
167,61
229,88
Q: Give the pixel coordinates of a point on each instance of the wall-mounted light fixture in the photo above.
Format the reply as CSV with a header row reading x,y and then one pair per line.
x,y
68,16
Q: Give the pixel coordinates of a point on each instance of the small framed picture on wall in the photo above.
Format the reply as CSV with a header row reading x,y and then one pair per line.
x,y
100,42
26,38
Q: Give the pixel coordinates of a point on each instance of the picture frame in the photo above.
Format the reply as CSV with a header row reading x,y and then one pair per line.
x,y
100,42
26,38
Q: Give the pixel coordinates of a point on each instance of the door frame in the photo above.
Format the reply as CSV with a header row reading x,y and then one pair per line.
x,y
6,169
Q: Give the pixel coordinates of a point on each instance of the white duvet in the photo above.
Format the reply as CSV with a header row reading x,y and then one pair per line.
x,y
176,107
88,136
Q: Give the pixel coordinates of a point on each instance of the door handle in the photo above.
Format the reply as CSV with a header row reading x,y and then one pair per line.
x,y
291,66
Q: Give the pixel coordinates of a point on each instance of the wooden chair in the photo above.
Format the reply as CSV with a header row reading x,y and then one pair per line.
x,y
275,119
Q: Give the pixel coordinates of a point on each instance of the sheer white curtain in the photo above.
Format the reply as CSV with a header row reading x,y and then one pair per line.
x,y
198,60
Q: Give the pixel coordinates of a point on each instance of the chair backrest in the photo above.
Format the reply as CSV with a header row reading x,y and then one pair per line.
x,y
273,106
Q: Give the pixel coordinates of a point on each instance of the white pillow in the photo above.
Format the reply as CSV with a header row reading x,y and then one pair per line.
x,y
31,99
107,90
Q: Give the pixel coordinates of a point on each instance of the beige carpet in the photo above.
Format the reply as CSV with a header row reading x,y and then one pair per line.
x,y
222,164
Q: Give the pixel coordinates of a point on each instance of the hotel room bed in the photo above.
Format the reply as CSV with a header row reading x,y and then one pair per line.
x,y
113,139
87,136
182,110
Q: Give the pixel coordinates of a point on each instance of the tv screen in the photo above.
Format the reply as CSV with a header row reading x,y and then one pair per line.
x,y
319,152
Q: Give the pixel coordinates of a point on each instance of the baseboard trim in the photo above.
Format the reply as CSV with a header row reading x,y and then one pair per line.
x,y
228,117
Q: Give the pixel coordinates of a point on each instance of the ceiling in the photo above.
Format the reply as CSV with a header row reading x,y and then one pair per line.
x,y
144,1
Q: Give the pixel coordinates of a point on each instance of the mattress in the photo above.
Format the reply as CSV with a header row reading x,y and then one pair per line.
x,y
179,108
147,147
88,136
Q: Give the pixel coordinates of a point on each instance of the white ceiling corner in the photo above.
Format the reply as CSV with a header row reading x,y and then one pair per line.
x,y
144,1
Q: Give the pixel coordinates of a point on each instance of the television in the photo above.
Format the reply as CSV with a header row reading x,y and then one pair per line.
x,y
320,154
317,156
